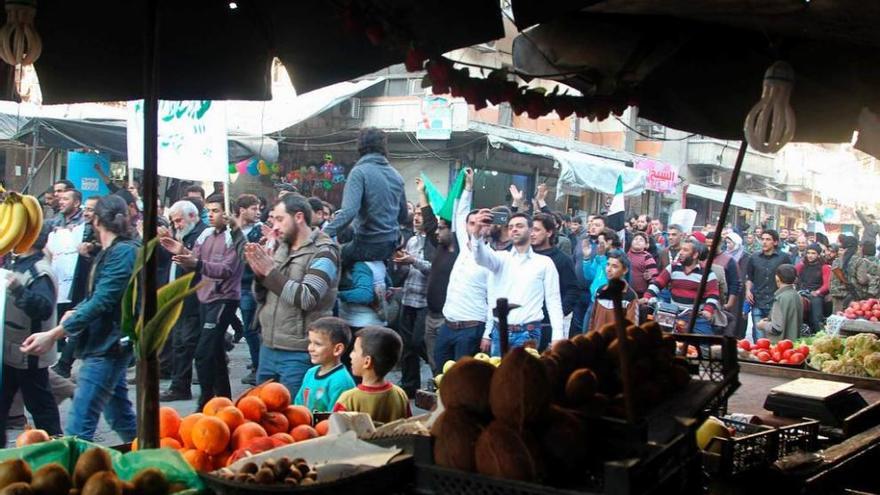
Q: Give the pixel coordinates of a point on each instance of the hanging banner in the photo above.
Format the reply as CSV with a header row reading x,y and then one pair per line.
x,y
82,170
436,119
192,139
661,177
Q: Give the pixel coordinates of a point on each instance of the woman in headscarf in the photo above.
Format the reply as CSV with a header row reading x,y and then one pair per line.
x,y
734,246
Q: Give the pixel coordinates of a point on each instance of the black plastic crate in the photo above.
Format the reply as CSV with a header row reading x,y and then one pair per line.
x,y
798,437
752,447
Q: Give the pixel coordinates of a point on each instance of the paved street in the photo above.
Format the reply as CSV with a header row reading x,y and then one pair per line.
x,y
239,360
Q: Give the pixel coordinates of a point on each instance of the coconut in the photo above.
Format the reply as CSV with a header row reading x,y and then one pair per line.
x,y
581,387
566,444
502,452
586,350
566,354
652,328
466,385
520,391
455,434
90,462
51,479
14,471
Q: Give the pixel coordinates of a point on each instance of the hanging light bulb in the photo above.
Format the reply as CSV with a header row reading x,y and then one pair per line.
x,y
770,124
19,42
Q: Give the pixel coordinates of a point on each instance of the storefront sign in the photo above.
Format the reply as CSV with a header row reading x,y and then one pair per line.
x,y
661,176
192,139
436,119
82,171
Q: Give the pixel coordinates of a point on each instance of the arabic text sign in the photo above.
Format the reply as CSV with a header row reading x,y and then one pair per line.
x,y
661,176
192,139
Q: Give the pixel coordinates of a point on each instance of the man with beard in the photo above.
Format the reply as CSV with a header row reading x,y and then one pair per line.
x,y
69,212
248,207
216,256
814,277
544,229
87,251
683,281
295,285
414,305
642,223
187,228
374,197
525,278
499,238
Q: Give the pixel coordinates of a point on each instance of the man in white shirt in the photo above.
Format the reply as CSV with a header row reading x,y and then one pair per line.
x,y
466,306
524,277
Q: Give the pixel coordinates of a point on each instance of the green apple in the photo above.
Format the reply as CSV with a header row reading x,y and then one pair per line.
x,y
438,379
495,361
482,356
447,365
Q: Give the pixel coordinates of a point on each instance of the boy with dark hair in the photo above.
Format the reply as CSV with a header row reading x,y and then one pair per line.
x,y
787,312
376,351
329,337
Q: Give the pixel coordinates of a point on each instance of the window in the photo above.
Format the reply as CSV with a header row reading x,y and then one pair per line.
x,y
650,130
415,87
397,87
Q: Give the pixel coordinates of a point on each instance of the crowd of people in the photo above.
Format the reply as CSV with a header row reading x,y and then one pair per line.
x,y
329,300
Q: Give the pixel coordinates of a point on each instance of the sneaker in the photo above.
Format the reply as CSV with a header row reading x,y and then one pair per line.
x,y
62,371
250,378
173,395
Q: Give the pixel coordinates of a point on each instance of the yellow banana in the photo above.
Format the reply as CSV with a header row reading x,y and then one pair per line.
x,y
17,225
34,223
5,210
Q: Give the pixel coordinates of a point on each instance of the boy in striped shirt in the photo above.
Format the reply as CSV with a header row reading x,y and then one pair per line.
x,y
683,281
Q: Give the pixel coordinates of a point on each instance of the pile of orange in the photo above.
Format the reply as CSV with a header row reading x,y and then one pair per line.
x,y
224,432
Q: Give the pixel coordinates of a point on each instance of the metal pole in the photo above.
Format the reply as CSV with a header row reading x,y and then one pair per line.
x,y
148,366
734,177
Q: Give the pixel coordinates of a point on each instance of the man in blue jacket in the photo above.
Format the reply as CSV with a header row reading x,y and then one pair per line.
x,y
374,200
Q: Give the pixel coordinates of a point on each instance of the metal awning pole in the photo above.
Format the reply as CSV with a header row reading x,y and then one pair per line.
x,y
734,177
148,366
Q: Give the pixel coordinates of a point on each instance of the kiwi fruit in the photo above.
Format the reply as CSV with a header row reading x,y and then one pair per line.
x,y
102,483
51,479
151,481
90,462
14,471
17,488
265,476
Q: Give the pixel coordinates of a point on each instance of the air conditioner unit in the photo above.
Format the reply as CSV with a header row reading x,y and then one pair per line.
x,y
488,47
714,178
348,109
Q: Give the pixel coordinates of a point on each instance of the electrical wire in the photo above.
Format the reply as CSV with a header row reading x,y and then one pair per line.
x,y
640,133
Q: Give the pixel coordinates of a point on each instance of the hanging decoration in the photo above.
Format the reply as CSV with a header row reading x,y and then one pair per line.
x,y
311,179
255,167
20,44
770,124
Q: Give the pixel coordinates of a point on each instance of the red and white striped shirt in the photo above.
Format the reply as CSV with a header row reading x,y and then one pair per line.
x,y
684,286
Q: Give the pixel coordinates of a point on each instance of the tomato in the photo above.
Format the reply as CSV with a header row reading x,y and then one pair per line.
x,y
744,345
859,312
764,356
848,314
786,354
784,345
776,355
783,361
876,311
804,349
763,343
796,358
854,305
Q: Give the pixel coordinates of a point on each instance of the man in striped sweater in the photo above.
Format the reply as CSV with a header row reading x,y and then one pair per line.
x,y
683,281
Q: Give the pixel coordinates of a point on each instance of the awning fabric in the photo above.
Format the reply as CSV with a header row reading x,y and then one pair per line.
x,y
579,171
739,199
778,202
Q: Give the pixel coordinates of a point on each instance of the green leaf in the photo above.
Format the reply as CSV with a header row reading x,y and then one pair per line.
x,y
169,304
129,300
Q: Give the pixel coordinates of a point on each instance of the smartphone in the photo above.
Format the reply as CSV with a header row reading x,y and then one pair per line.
x,y
500,217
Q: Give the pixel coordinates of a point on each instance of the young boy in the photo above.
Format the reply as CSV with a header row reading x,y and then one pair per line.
x,y
329,337
376,351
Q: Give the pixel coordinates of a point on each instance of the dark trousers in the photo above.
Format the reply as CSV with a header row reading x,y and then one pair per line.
x,y
579,312
37,396
358,250
248,307
66,346
817,312
214,318
411,327
186,337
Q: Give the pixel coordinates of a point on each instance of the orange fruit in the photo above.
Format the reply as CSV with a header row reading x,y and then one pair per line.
x,y
303,432
275,422
216,404
134,445
245,433
199,460
323,427
169,443
210,435
169,422
283,437
185,431
232,416
275,396
30,437
253,408
298,415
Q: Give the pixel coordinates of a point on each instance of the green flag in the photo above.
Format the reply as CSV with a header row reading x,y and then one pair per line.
x,y
444,207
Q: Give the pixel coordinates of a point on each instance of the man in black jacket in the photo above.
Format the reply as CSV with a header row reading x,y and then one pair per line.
x,y
187,227
544,229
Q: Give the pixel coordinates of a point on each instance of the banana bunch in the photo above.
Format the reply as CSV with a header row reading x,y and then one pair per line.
x,y
21,219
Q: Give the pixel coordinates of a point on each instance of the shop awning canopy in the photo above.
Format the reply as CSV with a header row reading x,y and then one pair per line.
x,y
739,199
579,171
778,202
